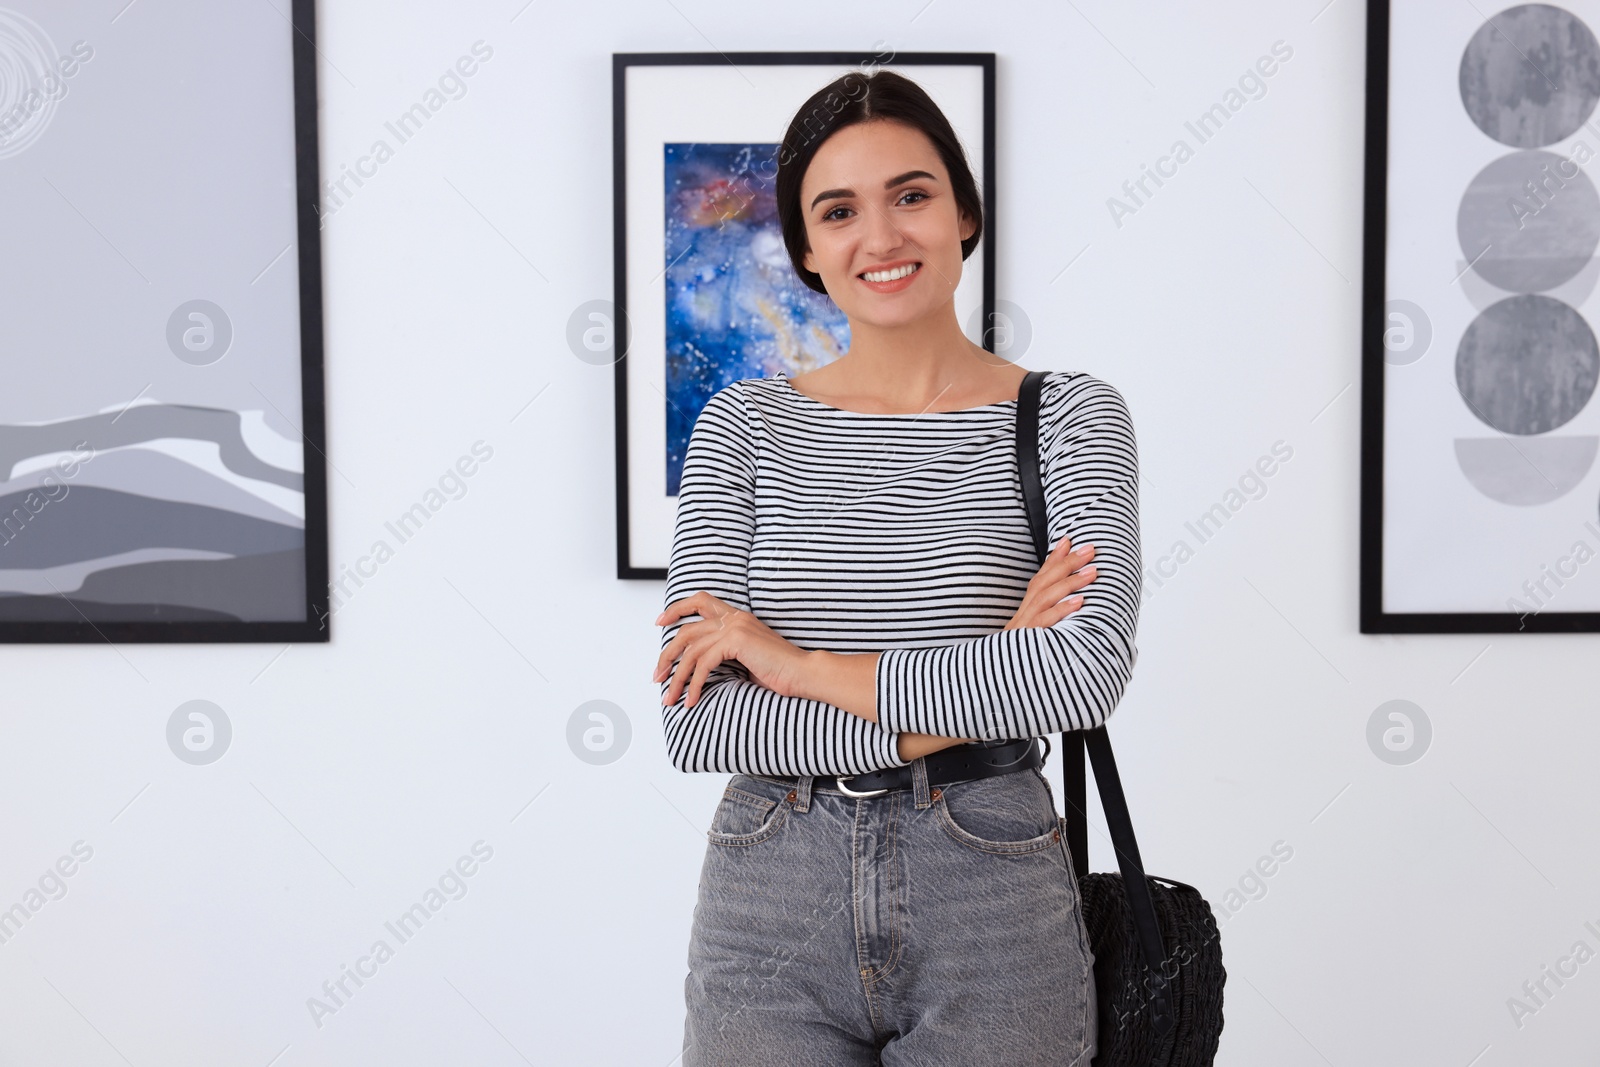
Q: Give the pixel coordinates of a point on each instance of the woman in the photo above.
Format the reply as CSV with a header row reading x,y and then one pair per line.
x,y
877,649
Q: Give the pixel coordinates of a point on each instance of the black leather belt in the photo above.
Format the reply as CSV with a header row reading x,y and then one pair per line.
x,y
959,763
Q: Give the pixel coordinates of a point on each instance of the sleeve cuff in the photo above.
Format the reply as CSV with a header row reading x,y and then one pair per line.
x,y
889,712
889,749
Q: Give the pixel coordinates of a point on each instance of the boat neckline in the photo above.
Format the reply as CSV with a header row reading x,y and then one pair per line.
x,y
787,384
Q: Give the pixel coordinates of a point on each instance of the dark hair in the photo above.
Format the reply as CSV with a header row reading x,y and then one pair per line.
x,y
856,98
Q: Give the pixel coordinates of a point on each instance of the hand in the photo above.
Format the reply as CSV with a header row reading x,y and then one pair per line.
x,y
911,746
1058,576
724,633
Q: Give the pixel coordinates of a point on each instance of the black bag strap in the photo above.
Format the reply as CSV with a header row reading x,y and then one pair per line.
x,y
1096,741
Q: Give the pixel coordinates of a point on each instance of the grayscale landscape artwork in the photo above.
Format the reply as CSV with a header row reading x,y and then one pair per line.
x,y
152,463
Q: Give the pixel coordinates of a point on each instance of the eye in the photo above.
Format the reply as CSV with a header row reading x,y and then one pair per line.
x,y
909,192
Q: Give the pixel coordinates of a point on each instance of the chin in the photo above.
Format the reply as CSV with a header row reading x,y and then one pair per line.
x,y
887,318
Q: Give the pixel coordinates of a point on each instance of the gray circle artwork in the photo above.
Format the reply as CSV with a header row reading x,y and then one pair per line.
x,y
1407,332
1529,221
598,732
1527,364
199,732
1399,732
592,332
199,332
30,86
1530,76
1010,330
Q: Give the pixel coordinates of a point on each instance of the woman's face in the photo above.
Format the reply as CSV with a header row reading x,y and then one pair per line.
x,y
885,200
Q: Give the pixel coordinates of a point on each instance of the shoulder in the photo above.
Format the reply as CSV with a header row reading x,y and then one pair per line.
x,y
1079,392
1076,401
746,395
763,394
1085,425
748,406
729,422
727,411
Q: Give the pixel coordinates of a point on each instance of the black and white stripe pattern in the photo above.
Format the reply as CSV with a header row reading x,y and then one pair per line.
x,y
904,534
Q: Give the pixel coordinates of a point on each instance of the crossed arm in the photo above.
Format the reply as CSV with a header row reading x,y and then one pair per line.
x,y
855,712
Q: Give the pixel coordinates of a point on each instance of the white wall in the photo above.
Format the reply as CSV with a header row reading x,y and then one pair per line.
x,y
219,898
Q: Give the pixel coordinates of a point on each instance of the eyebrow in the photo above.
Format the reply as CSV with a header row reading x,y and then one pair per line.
x,y
837,194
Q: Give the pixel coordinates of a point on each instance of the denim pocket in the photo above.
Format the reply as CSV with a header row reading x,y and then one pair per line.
x,y
745,816
1009,814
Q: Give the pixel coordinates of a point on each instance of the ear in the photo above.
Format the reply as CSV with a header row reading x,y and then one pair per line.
x,y
968,225
806,262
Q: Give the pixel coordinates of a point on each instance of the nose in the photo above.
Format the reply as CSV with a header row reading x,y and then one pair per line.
x,y
882,237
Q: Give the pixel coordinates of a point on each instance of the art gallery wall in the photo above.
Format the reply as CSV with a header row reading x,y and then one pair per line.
x,y
1372,912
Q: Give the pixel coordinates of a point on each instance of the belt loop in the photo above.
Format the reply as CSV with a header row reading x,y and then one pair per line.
x,y
802,800
919,782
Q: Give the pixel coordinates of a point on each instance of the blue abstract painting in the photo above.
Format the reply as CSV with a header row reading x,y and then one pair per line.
x,y
735,308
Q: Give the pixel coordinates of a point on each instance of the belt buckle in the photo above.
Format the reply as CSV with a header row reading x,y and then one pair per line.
x,y
847,791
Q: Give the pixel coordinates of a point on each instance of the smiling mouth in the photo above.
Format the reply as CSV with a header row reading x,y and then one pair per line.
x,y
903,271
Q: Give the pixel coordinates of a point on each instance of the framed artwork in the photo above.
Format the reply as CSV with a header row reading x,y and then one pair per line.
x,y
161,429
1480,494
705,292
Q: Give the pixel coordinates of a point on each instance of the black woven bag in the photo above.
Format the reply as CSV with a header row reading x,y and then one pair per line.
x,y
1158,972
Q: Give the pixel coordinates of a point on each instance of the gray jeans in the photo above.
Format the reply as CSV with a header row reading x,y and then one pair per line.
x,y
923,927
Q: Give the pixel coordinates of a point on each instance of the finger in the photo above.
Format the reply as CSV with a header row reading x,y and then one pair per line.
x,y
680,679
1052,591
1055,566
670,650
702,670
1070,560
714,609
1056,612
663,665
676,610
1065,608
680,676
701,603
1048,616
1057,604
1048,570
668,697
1083,576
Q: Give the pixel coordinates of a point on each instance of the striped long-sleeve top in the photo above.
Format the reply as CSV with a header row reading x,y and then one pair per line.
x,y
903,534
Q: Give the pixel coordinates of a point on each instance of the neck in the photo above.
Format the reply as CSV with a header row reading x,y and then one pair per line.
x,y
916,362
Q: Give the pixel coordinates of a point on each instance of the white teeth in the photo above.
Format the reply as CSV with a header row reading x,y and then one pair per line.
x,y
889,275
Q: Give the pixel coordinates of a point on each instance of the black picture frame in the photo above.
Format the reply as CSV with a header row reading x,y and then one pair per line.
x,y
828,66
1376,319
315,627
